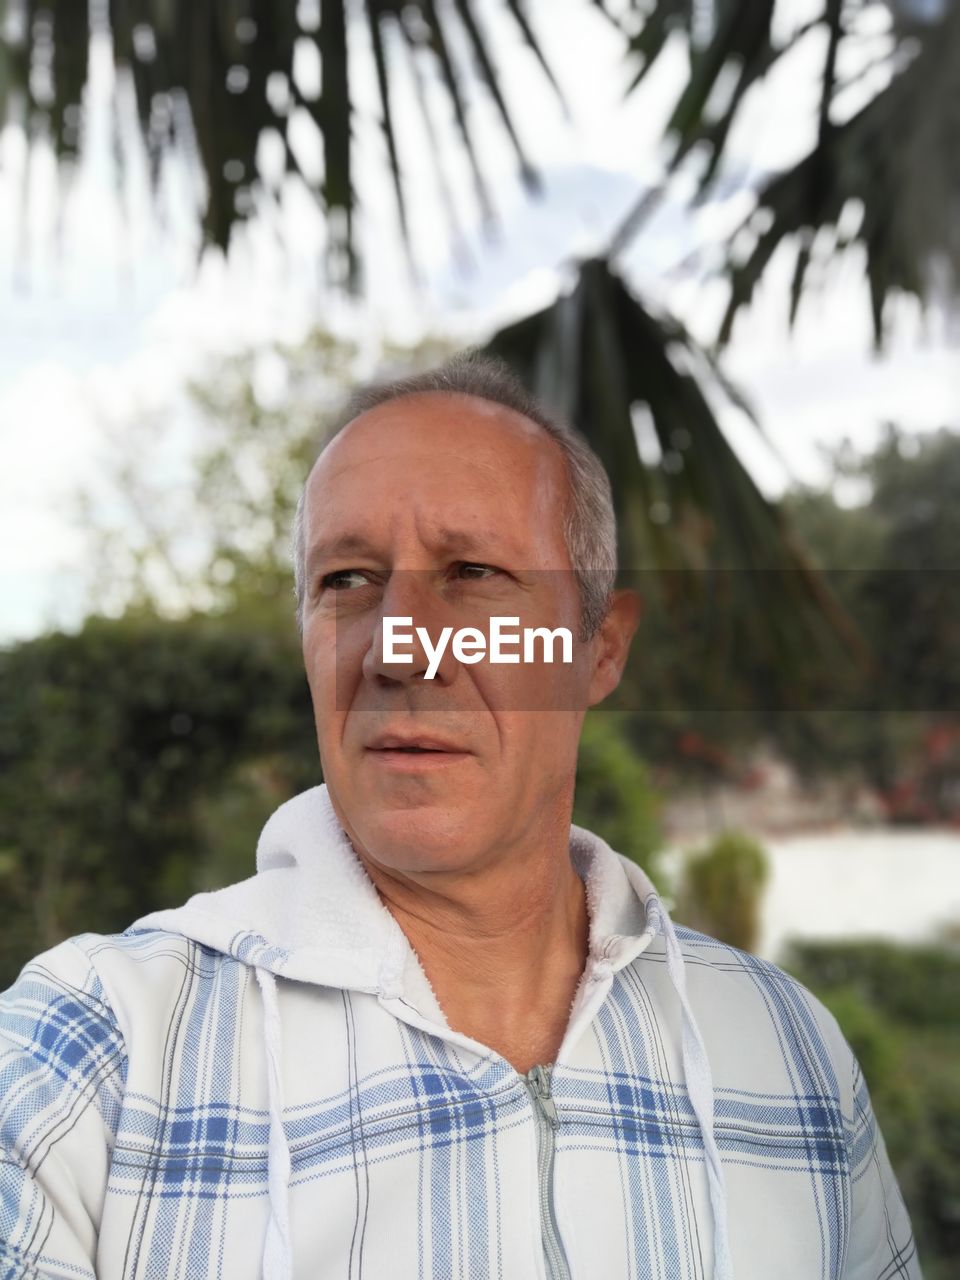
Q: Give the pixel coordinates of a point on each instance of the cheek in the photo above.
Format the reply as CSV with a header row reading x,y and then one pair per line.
x,y
540,744
549,688
333,670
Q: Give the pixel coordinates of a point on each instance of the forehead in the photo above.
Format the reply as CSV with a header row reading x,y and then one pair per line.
x,y
445,422
439,455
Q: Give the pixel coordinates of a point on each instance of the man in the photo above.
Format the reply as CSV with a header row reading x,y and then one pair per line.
x,y
440,1032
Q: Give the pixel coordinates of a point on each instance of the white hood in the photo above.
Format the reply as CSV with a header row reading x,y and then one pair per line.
x,y
311,913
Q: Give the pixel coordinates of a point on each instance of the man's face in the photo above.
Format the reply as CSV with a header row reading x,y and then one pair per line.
x,y
447,509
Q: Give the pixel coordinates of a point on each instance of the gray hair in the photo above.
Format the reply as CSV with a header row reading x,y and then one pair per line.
x,y
590,528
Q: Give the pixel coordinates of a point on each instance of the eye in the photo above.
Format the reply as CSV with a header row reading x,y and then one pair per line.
x,y
335,580
485,569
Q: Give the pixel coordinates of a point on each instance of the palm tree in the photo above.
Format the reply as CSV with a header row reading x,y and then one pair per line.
x,y
212,77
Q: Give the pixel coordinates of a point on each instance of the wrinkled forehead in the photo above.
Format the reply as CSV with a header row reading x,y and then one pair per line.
x,y
444,452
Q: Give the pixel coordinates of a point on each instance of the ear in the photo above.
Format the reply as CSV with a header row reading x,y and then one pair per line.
x,y
612,644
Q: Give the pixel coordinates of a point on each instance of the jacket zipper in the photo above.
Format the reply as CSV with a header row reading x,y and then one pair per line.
x,y
537,1081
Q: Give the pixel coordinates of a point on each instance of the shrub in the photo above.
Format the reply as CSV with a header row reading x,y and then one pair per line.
x,y
614,796
721,889
915,985
111,743
897,1007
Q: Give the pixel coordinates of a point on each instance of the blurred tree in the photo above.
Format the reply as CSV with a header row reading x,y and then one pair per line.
x,y
899,1008
116,747
919,986
912,591
892,561
614,796
220,541
722,887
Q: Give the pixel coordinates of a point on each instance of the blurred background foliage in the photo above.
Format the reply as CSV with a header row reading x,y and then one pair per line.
x,y
140,756
899,1008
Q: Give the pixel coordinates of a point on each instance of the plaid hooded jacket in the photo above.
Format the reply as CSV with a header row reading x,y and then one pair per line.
x,y
262,1083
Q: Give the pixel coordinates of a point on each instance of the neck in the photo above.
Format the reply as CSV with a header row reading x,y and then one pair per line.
x,y
504,949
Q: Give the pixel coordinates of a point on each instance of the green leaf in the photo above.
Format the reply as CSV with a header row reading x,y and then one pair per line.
x,y
896,158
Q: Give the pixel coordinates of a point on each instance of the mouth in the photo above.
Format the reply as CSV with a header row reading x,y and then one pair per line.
x,y
413,742
396,751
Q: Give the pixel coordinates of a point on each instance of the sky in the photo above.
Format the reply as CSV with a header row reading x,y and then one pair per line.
x,y
106,308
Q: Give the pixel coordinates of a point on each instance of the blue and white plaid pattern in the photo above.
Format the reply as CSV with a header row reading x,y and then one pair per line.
x,y
134,1128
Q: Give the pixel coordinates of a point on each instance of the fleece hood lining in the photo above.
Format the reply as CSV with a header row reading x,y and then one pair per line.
x,y
312,914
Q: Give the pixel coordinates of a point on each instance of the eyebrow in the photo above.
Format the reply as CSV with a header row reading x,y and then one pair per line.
x,y
458,541
347,544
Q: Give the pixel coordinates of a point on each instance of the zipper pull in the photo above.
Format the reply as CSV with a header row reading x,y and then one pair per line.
x,y
539,1078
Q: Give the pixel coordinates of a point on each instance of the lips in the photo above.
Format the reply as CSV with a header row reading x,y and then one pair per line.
x,y
414,744
414,754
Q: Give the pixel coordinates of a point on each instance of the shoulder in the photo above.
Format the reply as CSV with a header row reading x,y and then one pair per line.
x,y
763,1029
729,964
740,980
57,991
730,969
62,1049
76,1005
85,962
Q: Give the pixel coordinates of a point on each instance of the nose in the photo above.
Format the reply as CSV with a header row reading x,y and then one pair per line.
x,y
411,594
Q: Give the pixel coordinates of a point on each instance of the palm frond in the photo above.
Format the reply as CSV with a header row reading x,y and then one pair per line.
x,y
377,19
737,51
444,185
741,46
896,158
451,80
695,518
204,76
895,161
518,9
486,70
335,127
660,20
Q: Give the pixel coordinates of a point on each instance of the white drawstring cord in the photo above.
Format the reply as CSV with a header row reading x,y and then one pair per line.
x,y
277,1262
696,1069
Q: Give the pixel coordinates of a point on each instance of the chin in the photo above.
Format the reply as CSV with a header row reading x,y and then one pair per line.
x,y
419,837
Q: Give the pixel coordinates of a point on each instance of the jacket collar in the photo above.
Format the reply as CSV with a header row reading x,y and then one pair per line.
x,y
311,913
